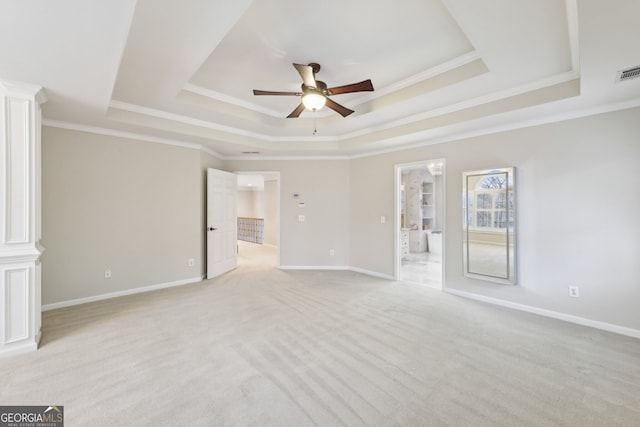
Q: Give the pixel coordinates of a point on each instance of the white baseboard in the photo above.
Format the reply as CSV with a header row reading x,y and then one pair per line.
x,y
101,297
337,267
609,327
314,267
371,273
622,330
19,349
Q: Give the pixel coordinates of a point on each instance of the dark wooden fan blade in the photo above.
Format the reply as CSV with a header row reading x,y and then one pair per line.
x,y
342,110
269,92
364,86
306,72
296,113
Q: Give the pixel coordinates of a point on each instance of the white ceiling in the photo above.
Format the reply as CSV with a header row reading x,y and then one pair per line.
x,y
183,71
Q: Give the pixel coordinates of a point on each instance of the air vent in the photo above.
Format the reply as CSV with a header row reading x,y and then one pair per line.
x,y
628,74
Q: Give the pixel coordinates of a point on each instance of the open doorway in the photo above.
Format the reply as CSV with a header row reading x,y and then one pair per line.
x,y
258,218
420,222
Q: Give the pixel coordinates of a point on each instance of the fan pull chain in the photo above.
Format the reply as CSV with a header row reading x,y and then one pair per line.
x,y
315,128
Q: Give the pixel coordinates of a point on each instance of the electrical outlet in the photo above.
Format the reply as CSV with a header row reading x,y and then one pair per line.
x,y
107,274
332,252
574,291
191,262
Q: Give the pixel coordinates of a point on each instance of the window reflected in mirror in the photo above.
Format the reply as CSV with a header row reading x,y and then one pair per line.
x,y
489,220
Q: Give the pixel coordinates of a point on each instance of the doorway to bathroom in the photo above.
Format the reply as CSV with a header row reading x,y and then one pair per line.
x,y
420,214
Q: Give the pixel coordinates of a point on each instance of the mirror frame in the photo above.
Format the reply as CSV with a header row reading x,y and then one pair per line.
x,y
510,237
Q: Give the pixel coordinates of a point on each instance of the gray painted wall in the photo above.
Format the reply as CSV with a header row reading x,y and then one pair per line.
x,y
323,185
136,208
271,212
105,199
578,201
251,203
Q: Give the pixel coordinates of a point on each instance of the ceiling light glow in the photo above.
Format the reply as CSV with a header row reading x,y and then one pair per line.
x,y
313,100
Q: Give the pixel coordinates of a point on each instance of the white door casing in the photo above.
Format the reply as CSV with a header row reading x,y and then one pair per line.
x,y
221,222
440,163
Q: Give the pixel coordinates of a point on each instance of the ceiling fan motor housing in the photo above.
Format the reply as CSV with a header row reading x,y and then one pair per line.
x,y
315,93
315,67
320,87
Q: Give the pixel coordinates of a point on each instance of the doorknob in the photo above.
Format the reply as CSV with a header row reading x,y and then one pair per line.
x,y
212,229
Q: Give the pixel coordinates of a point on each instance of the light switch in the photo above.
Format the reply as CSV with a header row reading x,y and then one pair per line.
x,y
383,219
301,218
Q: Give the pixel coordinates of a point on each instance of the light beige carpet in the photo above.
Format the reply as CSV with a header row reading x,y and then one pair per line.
x,y
263,347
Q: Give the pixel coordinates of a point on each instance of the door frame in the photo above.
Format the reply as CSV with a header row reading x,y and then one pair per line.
x,y
398,168
275,174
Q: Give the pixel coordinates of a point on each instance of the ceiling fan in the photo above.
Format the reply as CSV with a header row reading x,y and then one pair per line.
x,y
315,93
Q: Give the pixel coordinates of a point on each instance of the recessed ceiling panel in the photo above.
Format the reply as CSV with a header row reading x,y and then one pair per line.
x,y
353,41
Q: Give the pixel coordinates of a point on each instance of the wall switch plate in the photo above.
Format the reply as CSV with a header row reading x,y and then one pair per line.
x,y
191,262
383,219
301,218
107,274
332,252
574,291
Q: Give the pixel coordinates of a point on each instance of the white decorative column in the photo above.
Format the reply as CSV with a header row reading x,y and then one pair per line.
x,y
20,224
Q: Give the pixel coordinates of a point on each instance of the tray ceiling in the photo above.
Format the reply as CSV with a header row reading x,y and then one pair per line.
x,y
184,71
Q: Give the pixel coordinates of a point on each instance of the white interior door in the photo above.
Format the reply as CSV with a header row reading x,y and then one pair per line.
x,y
221,222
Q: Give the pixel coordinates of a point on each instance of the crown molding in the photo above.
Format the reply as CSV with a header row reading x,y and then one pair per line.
x,y
470,103
573,29
495,96
406,145
159,114
320,157
514,125
465,59
212,94
128,135
417,78
24,89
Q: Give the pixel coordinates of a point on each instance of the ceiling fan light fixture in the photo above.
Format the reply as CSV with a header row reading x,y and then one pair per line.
x,y
315,94
313,100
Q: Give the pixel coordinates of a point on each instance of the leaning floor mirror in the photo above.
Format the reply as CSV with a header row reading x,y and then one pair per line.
x,y
489,224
